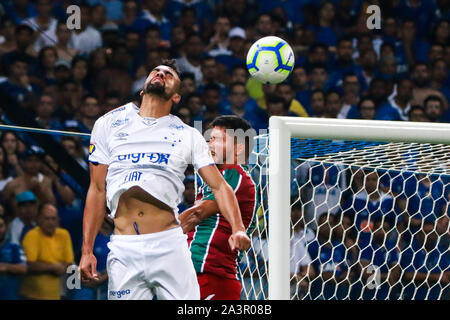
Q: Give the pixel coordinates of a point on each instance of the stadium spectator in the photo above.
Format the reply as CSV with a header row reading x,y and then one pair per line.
x,y
13,148
44,111
285,91
12,265
192,58
63,43
318,77
210,70
97,289
367,108
18,85
350,94
439,75
188,194
300,271
5,170
74,148
98,16
318,98
398,106
44,23
87,38
153,14
244,107
237,53
32,179
329,260
434,108
69,98
79,71
324,28
369,64
333,105
8,42
23,36
425,265
417,114
25,217
89,111
436,52
218,43
193,102
299,83
45,73
420,74
46,267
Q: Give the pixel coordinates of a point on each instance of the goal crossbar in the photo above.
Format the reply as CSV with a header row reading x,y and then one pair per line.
x,y
281,130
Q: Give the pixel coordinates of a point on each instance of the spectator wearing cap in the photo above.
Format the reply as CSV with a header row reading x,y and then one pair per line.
x,y
62,70
12,265
237,51
110,34
32,179
49,252
87,38
25,219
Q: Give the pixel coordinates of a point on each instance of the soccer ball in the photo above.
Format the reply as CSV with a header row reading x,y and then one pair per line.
x,y
270,60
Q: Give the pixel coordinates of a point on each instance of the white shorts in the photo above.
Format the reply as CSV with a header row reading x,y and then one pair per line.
x,y
155,265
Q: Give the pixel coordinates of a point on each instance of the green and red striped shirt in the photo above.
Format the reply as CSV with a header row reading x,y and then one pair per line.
x,y
208,243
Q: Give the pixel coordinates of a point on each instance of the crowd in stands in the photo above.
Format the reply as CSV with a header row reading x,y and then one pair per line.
x,y
67,78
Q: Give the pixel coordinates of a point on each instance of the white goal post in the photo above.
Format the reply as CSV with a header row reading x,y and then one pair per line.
x,y
281,130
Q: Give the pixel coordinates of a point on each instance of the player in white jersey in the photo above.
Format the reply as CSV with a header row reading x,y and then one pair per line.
x,y
137,161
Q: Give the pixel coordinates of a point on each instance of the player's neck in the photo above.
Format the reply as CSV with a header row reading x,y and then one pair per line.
x,y
154,107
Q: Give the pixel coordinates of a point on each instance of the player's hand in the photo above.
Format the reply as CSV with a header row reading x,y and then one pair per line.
x,y
88,267
189,219
239,241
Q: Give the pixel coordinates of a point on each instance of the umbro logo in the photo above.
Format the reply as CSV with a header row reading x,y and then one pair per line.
x,y
121,136
119,122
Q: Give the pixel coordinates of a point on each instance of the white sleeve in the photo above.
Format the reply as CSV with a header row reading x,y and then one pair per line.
x,y
98,149
200,154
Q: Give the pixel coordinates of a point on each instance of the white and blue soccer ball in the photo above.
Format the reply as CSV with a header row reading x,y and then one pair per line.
x,y
270,60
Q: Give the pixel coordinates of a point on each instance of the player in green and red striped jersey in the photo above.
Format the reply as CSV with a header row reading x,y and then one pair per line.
x,y
208,230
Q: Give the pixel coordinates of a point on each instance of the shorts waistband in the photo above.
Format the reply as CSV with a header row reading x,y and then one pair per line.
x,y
147,236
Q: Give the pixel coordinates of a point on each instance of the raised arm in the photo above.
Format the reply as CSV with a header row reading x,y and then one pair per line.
x,y
228,206
200,211
94,213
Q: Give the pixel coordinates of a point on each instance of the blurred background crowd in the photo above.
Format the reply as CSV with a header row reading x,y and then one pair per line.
x,y
65,79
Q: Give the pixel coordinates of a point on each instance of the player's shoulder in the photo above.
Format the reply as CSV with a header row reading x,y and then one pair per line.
x,y
118,113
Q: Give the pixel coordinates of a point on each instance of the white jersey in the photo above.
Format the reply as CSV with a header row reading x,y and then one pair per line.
x,y
146,152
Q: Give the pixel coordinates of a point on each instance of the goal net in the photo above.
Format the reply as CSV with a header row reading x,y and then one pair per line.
x,y
362,217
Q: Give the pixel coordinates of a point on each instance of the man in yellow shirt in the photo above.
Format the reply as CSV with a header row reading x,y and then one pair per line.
x,y
49,252
260,92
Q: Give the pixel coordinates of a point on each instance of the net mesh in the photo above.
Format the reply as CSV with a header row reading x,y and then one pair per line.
x,y
369,220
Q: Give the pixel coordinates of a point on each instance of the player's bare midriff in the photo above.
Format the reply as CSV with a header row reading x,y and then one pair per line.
x,y
140,213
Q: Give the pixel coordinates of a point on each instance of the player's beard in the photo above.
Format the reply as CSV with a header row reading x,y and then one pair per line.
x,y
157,89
